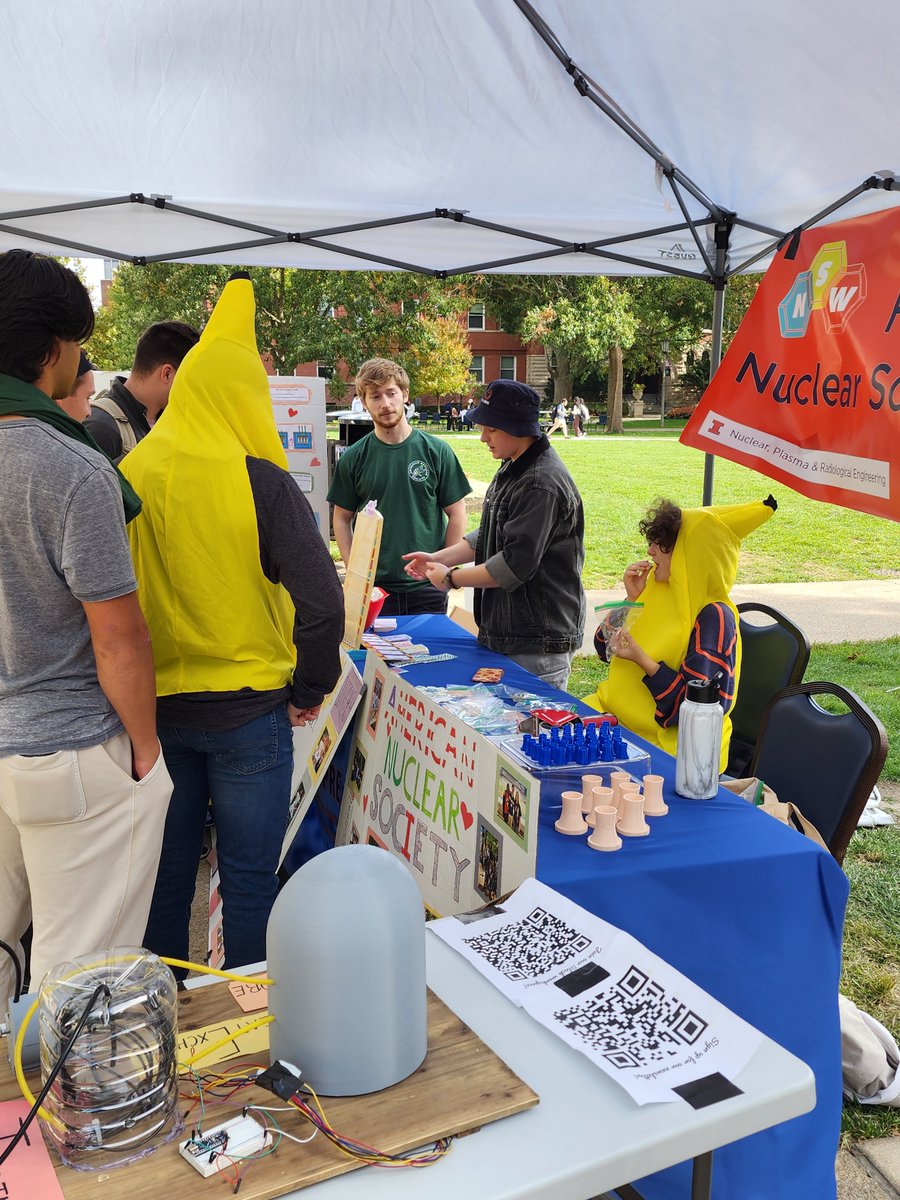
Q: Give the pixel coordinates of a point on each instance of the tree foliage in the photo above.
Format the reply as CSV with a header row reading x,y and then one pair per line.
x,y
576,317
330,317
443,358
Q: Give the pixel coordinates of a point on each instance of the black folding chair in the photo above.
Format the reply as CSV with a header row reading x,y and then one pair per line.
x,y
774,656
823,762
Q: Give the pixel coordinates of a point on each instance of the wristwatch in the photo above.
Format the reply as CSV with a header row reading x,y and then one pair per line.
x,y
449,577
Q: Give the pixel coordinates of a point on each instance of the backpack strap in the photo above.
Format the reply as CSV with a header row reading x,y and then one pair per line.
x,y
105,401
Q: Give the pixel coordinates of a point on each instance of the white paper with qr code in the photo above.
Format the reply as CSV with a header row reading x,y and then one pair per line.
x,y
643,1023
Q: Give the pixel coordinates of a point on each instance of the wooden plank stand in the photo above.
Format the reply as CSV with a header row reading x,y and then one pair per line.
x,y
460,1086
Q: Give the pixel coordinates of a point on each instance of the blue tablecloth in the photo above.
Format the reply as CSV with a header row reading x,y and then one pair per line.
x,y
746,907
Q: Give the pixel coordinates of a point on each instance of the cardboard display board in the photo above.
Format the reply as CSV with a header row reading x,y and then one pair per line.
x,y
299,406
314,748
429,789
360,577
315,745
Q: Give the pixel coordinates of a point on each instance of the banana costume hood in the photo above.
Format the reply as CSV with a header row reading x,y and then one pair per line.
x,y
703,570
216,622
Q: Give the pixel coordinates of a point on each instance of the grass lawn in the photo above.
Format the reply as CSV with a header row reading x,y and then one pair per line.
x,y
619,477
871,969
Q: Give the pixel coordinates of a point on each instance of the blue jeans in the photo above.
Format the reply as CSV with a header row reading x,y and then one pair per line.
x,y
246,773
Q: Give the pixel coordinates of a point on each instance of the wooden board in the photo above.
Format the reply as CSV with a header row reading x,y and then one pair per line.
x,y
460,1086
360,576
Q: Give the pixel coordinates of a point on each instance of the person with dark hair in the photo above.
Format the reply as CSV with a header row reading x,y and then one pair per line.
x,y
128,409
687,627
78,404
525,559
83,785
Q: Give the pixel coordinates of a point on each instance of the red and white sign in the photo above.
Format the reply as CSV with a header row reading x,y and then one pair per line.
x,y
809,391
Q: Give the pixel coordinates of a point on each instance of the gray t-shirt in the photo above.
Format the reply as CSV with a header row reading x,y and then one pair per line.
x,y
62,541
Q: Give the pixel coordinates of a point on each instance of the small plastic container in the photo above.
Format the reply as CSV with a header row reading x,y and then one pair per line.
x,y
115,1098
376,604
566,777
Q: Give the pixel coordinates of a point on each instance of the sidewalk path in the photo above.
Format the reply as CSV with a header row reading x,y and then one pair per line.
x,y
853,611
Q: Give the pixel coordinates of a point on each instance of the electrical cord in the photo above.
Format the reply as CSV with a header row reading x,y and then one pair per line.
x,y
100,989
17,965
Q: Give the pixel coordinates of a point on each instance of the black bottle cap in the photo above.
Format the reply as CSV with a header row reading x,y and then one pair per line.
x,y
702,691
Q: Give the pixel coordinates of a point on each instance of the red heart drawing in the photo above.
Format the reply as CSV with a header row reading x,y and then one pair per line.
x,y
315,463
466,815
292,412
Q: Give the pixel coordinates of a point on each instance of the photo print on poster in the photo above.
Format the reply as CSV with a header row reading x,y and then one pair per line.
x,y
375,703
512,800
488,860
327,739
357,770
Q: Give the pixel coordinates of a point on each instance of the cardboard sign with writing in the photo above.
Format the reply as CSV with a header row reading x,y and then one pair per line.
x,y
438,795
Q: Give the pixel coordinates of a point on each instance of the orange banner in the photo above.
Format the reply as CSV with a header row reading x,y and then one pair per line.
x,y
809,391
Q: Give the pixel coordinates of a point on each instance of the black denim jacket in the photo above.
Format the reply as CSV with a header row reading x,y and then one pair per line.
x,y
531,539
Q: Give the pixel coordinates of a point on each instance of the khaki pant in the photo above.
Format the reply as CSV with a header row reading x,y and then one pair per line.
x,y
79,848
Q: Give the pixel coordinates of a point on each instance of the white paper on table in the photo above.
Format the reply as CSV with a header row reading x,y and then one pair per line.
x,y
529,940
643,1023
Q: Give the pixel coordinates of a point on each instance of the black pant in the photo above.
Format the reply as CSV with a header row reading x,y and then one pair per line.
x,y
425,599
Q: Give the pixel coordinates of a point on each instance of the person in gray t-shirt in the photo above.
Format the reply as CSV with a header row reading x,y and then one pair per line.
x,y
83,786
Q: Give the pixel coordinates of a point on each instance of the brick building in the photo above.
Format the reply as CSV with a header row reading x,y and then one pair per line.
x,y
495,355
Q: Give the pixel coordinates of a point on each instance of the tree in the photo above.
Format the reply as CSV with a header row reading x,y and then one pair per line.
x,y
679,310
578,318
331,317
443,358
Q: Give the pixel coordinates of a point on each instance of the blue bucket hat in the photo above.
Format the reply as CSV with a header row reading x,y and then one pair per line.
x,y
511,406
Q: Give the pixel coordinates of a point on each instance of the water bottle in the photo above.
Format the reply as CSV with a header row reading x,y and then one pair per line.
x,y
699,740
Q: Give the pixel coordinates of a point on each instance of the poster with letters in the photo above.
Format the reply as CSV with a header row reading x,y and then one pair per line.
x,y
299,407
809,390
438,795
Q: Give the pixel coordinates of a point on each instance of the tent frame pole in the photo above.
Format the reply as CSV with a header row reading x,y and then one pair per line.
x,y
720,282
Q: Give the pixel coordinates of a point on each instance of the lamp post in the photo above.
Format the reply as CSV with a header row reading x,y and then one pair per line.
x,y
664,347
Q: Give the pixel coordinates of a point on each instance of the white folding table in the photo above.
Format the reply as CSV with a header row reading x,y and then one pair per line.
x,y
587,1136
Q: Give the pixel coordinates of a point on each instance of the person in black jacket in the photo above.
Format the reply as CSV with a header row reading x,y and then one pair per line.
x,y
528,553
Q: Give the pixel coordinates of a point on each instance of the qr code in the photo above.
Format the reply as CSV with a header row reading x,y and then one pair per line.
x,y
530,948
636,1022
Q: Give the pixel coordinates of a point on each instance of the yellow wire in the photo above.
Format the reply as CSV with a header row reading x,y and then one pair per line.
x,y
266,1020
20,1070
181,962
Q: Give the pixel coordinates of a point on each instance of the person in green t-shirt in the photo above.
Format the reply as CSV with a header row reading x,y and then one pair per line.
x,y
416,480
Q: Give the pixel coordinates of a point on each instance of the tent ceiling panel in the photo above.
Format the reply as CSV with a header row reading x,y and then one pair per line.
x,y
302,115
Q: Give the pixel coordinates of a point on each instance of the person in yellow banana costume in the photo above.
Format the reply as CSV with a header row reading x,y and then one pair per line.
x,y
688,626
246,616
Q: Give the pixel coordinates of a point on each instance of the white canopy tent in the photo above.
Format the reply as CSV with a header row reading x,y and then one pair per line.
x,y
442,136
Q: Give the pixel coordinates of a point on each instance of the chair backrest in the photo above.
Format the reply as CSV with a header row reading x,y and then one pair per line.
x,y
773,657
825,763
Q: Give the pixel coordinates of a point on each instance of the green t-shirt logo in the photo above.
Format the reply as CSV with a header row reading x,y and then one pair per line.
x,y
418,471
